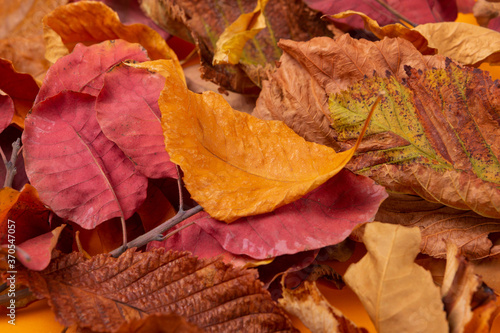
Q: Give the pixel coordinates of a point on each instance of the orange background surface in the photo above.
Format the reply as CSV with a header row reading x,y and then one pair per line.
x,y
38,316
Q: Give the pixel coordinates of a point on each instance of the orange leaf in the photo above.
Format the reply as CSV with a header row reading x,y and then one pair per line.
x,y
91,22
235,164
103,293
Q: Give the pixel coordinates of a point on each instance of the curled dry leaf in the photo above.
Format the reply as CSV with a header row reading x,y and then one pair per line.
x,y
235,164
466,43
79,173
231,42
35,253
396,292
128,113
297,92
83,70
440,225
104,293
440,147
312,308
21,90
203,22
92,22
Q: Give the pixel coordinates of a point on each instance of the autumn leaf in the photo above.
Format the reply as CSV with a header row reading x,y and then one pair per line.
x,y
235,164
297,92
77,171
83,70
210,294
396,292
417,11
461,41
20,89
440,225
441,149
21,35
128,113
35,253
203,22
324,216
312,308
160,323
231,42
91,22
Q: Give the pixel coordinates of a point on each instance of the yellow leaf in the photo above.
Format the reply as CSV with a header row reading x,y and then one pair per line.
x,y
235,164
466,43
92,22
230,44
398,294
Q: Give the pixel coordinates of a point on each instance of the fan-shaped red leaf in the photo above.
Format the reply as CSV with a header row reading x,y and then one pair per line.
x,y
128,112
77,171
83,69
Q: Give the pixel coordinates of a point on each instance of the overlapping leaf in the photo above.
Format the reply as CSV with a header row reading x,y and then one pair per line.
x,y
21,90
396,292
83,70
440,225
442,119
203,22
466,43
235,164
36,253
91,22
78,172
128,113
297,92
210,294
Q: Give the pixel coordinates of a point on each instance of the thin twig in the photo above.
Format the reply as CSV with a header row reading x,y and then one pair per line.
x,y
167,236
3,287
156,232
10,166
179,187
124,234
396,13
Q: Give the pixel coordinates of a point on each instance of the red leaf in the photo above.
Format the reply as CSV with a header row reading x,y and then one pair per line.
x,y
77,171
35,253
83,69
21,87
128,112
323,217
6,111
417,11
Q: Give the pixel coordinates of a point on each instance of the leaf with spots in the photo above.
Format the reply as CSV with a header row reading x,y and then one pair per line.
x,y
105,293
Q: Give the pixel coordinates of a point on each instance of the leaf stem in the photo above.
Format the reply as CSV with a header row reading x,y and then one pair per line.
x,y
10,166
396,13
176,231
153,234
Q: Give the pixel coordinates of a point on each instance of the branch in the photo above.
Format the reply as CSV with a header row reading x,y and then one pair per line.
x,y
156,233
10,166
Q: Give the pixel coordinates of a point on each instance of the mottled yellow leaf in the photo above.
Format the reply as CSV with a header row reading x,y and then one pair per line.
x,y
231,42
398,294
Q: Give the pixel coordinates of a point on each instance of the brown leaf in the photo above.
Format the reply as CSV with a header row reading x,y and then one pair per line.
x,y
394,290
160,323
204,21
440,225
103,293
297,92
312,308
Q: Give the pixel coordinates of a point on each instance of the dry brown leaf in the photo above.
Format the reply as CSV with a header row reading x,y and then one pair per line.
x,y
297,92
92,22
398,294
459,285
235,164
103,293
202,22
160,323
440,224
466,43
312,308
21,35
485,10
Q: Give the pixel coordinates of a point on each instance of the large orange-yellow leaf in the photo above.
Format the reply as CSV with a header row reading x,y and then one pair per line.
x,y
235,164
231,42
104,293
466,43
92,22
396,292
